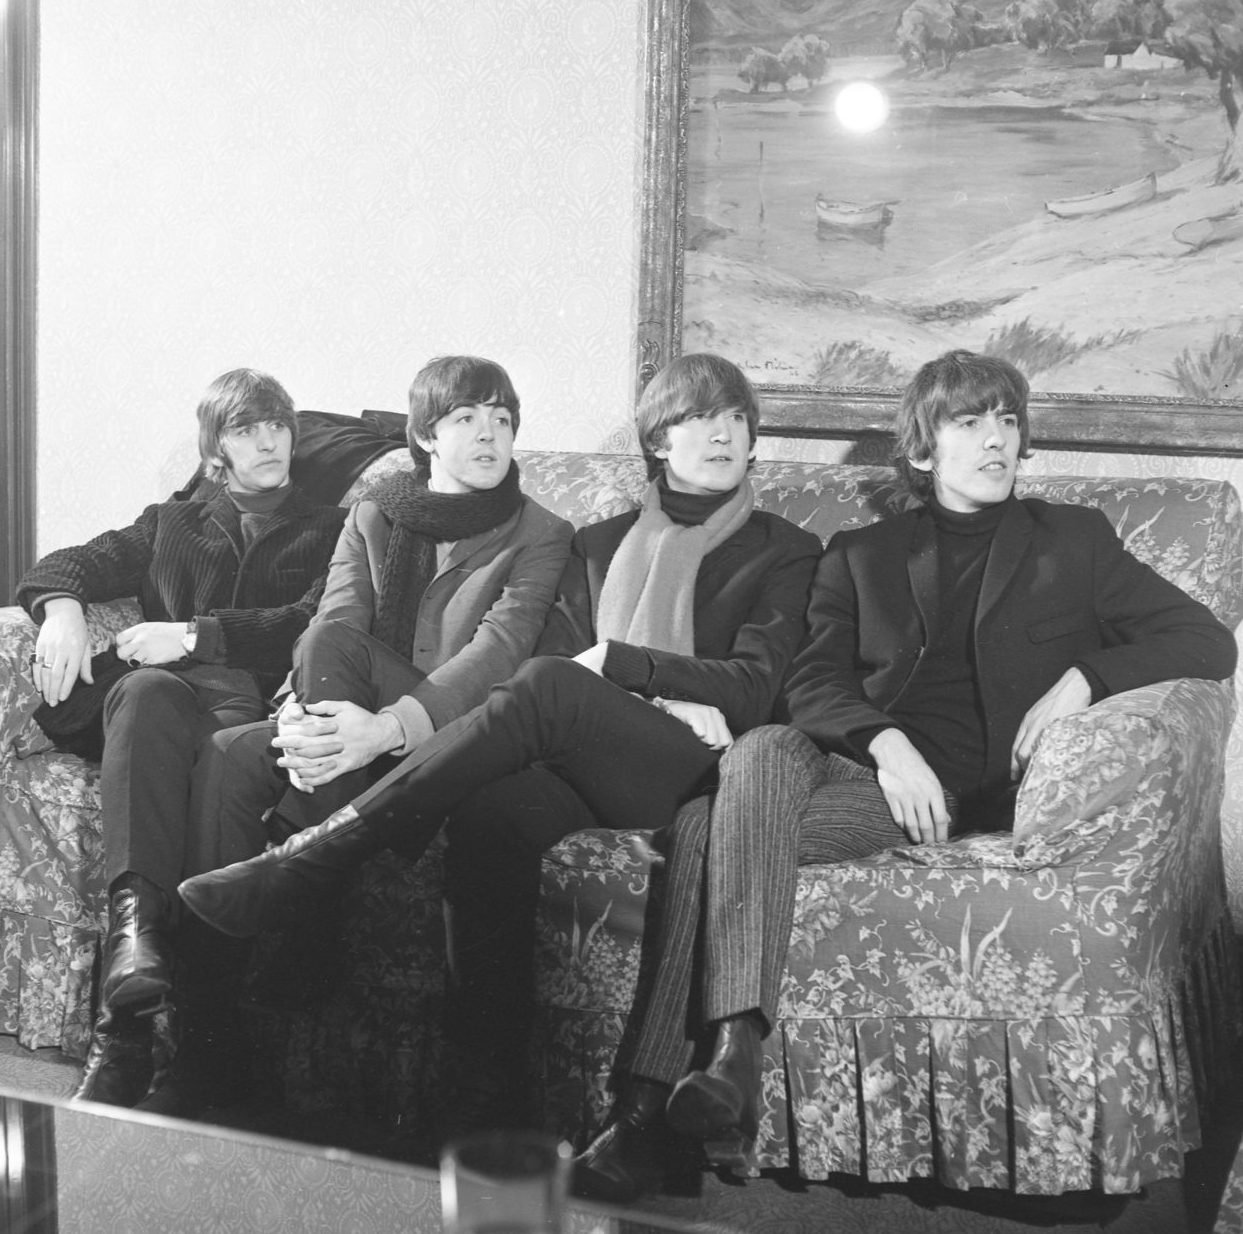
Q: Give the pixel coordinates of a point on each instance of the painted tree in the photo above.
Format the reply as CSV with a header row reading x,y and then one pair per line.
x,y
806,56
1127,19
762,67
1208,34
1045,25
931,30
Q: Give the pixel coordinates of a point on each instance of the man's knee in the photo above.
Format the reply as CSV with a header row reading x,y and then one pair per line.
x,y
776,746
546,672
150,692
235,755
326,637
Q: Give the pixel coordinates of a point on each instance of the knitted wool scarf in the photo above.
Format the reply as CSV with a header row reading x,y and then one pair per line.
x,y
648,597
422,519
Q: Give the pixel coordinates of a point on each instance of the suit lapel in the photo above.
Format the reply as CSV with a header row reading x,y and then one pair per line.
x,y
921,569
1010,545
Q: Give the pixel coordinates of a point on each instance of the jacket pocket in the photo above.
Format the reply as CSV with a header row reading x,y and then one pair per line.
x,y
1058,627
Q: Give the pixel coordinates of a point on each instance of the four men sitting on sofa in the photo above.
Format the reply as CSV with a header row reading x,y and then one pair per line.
x,y
920,666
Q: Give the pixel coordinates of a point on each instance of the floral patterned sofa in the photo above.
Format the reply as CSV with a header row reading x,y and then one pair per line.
x,y
1043,1011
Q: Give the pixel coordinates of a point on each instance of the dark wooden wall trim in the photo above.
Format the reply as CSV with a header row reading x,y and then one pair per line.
x,y
19,72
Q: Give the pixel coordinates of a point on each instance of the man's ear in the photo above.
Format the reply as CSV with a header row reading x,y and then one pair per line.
x,y
921,464
427,444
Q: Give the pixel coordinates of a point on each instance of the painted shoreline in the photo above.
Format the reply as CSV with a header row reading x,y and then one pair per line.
x,y
1118,289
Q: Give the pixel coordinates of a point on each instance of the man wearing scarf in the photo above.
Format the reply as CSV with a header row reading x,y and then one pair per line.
x,y
671,633
942,643
437,589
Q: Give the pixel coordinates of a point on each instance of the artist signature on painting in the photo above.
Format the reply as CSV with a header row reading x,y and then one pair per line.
x,y
769,366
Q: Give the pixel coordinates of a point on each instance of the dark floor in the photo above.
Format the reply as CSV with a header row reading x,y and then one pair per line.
x,y
777,1202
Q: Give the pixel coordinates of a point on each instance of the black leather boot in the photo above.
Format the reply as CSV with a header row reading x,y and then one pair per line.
x,y
137,969
627,1158
271,890
119,1064
720,1105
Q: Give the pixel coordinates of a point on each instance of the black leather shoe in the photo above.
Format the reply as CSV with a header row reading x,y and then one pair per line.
x,y
720,1105
627,1158
137,959
119,1064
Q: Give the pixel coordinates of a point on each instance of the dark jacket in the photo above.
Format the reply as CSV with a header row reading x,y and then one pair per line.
x,y
750,606
1059,590
186,559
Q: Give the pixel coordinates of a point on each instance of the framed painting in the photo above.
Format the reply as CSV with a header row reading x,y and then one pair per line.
x,y
1066,196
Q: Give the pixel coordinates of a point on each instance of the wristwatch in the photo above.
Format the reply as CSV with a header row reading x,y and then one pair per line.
x,y
191,637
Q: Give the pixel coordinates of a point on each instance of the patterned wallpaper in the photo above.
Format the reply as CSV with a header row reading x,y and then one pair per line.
x,y
335,190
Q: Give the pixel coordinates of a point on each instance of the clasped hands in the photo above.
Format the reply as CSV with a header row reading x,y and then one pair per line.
x,y
914,794
321,741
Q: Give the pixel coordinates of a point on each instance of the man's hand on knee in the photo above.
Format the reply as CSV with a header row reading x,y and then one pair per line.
x,y
912,791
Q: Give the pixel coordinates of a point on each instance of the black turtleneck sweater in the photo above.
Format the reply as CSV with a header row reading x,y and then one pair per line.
x,y
940,710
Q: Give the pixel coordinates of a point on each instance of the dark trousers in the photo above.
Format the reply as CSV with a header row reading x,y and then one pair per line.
x,y
731,874
497,837
238,781
581,753
156,725
631,764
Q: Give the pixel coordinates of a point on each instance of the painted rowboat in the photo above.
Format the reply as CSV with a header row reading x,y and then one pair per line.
x,y
1216,229
853,216
1129,194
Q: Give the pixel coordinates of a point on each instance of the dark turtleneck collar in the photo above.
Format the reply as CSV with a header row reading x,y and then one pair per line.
x,y
975,523
267,502
690,509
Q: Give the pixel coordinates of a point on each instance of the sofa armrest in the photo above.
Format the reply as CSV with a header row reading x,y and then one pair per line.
x,y
1155,754
18,697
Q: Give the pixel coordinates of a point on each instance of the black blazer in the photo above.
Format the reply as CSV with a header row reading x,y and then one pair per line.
x,y
1059,589
750,614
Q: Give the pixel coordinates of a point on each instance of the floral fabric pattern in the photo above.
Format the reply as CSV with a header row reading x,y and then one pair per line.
x,y
1040,1011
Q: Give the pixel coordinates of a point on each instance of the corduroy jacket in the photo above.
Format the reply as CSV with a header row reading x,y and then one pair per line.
x,y
185,559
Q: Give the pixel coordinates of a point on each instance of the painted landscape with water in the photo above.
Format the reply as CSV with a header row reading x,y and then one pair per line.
x,y
1060,206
